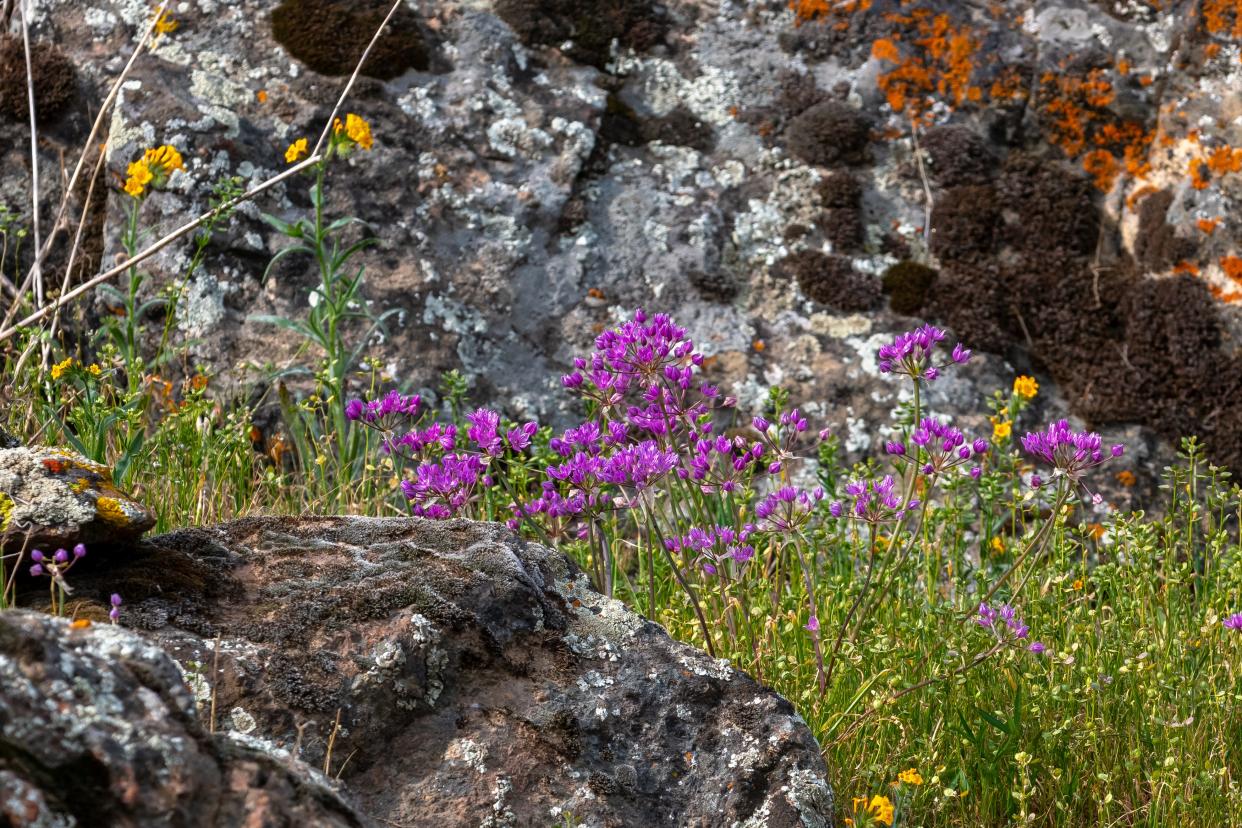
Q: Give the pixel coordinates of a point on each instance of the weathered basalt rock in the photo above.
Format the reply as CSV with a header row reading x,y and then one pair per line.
x,y
478,680
97,727
53,497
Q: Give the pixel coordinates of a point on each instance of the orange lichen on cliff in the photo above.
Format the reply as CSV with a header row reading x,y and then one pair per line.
x,y
1222,17
808,10
1220,161
940,62
1102,167
1208,226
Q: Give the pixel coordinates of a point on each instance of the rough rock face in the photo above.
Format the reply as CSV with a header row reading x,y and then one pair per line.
x,y
478,680
52,497
98,728
542,171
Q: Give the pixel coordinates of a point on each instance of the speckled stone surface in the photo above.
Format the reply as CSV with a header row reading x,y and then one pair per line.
x,y
479,680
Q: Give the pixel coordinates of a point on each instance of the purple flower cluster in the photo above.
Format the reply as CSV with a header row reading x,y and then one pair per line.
x,y
115,612
440,489
637,354
58,564
945,447
1069,452
1234,622
912,354
788,508
873,503
713,545
1004,623
391,408
720,464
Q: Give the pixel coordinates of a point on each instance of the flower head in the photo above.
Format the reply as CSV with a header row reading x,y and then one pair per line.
x,y
911,354
1234,622
60,368
115,612
152,169
1025,386
354,132
1070,452
879,809
875,502
910,776
296,151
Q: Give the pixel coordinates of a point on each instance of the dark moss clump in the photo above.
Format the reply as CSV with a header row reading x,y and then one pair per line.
x,y
907,284
55,80
832,281
829,133
330,36
842,220
1157,245
717,285
840,189
590,27
957,155
681,128
1055,206
964,223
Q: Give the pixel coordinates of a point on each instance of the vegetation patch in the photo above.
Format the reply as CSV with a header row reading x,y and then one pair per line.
x,y
55,80
330,36
589,28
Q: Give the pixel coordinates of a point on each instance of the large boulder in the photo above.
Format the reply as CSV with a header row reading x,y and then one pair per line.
x,y
451,674
98,728
55,497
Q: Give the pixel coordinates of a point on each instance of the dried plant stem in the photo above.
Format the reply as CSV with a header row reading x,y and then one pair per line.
x,y
157,246
336,727
215,675
104,110
36,269
918,157
327,127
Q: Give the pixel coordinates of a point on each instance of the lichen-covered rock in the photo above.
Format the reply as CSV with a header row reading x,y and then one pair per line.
x,y
53,497
478,680
97,727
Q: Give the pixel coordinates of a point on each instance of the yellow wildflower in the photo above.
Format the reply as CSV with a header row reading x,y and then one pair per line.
x,y
296,152
164,159
59,369
140,176
910,776
1001,429
1078,584
1025,386
998,545
94,369
881,809
355,129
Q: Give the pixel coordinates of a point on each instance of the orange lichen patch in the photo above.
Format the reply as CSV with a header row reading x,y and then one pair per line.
x,y
261,95
759,345
1222,17
1232,265
1075,105
1102,167
54,465
1211,50
1208,225
1220,161
1146,80
1186,267
1126,477
1011,85
1123,66
808,10
939,60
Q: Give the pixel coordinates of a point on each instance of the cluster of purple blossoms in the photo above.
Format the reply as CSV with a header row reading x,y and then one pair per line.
x,y
945,447
782,440
385,412
713,545
637,354
414,443
1233,622
719,464
912,354
115,612
440,489
56,566
1071,453
1005,618
873,503
788,508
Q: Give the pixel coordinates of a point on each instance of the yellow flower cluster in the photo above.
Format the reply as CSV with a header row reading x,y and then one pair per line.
x,y
910,776
1001,429
152,169
61,368
164,24
1025,387
879,811
296,152
355,129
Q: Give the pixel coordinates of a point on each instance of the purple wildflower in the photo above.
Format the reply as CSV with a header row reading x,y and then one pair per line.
x,y
812,624
911,354
1234,622
875,503
1036,647
944,445
1069,452
115,612
788,508
384,412
484,424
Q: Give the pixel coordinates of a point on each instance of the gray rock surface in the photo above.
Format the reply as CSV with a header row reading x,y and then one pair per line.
x,y
53,498
479,680
98,728
530,186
